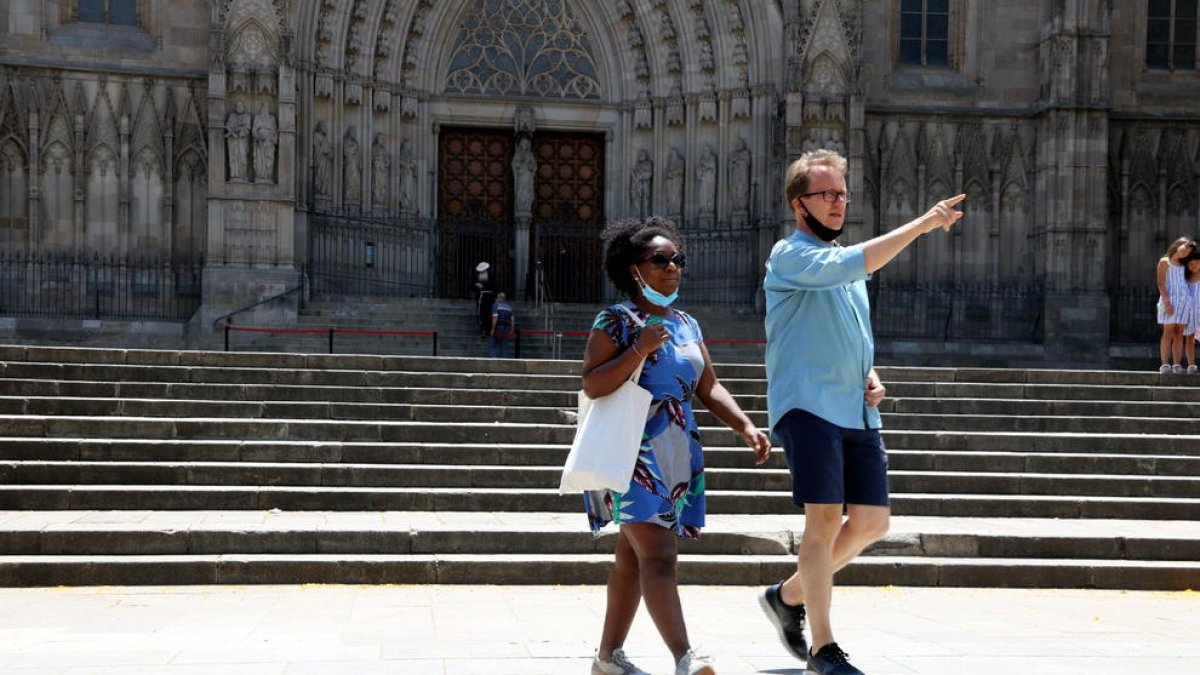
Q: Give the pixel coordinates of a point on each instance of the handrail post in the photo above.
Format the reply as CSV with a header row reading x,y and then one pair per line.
x,y
517,345
435,337
330,340
226,337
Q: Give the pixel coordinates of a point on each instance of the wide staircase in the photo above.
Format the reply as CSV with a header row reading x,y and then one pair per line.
x,y
164,467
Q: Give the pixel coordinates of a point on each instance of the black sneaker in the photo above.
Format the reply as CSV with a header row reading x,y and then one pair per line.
x,y
787,619
831,660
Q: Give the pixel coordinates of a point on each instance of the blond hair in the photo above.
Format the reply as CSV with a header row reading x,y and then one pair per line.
x,y
796,183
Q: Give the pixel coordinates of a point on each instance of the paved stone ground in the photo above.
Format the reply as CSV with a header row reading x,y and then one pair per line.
x,y
461,630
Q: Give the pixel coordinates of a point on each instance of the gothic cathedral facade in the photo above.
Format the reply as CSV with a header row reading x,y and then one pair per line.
x,y
387,146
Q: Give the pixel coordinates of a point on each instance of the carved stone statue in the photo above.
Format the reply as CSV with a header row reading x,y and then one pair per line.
x,y
739,176
408,175
322,160
380,169
523,167
266,136
237,142
351,169
708,181
640,183
674,185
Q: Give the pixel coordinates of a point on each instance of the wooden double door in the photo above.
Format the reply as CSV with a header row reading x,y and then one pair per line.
x,y
476,216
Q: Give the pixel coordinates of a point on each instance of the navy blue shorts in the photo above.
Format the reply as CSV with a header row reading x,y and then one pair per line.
x,y
831,464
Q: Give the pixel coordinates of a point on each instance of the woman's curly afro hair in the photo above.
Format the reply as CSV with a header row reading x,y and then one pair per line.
x,y
625,243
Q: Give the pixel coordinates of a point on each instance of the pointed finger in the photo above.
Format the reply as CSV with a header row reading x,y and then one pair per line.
x,y
955,200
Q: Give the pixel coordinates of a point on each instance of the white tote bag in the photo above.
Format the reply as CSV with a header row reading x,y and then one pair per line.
x,y
608,437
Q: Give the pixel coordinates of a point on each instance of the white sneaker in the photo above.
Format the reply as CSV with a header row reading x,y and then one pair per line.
x,y
1164,368
1177,369
695,663
619,664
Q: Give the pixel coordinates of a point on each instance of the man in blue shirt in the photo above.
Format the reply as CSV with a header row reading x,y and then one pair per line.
x,y
822,393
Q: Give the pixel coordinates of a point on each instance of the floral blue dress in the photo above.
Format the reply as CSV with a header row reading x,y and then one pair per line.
x,y
668,479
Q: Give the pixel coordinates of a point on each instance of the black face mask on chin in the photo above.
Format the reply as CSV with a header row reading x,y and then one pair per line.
x,y
824,233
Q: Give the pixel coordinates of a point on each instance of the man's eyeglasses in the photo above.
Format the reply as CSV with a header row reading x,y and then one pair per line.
x,y
659,260
830,196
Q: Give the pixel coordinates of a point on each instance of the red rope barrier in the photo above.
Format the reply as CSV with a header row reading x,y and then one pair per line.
x,y
564,333
355,331
737,342
277,330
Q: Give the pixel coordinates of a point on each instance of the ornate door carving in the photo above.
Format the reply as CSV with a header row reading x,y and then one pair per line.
x,y
568,214
475,207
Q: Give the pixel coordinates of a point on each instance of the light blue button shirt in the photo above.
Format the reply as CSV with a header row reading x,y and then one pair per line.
x,y
819,342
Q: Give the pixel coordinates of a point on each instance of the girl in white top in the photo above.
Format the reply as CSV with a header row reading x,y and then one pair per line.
x,y
1174,303
1191,272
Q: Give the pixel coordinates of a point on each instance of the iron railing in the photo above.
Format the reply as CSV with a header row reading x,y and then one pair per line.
x,y
137,289
370,256
722,267
953,312
1133,314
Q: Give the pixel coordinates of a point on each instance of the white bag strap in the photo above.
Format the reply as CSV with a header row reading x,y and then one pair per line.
x,y
637,372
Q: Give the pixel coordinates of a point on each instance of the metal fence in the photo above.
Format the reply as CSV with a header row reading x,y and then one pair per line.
x,y
950,312
723,268
364,256
139,289
1133,314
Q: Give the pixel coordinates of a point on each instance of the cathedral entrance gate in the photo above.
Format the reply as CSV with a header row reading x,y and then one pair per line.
x,y
557,244
475,208
568,214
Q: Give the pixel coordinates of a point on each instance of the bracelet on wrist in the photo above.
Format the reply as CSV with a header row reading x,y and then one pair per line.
x,y
636,350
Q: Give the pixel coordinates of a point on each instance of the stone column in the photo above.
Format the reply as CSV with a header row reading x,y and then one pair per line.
x,y
1071,185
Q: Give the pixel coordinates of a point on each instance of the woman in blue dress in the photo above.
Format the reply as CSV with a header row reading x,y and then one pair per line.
x,y
664,502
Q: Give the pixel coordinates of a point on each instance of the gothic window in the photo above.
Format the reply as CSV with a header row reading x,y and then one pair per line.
x,y
119,12
1171,35
925,32
522,48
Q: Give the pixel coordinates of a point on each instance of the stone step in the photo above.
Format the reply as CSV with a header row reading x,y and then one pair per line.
x,y
325,498
68,355
512,411
544,568
155,450
969,437
1041,424
183,532
459,476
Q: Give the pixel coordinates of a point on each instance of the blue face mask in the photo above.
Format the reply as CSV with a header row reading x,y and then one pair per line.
x,y
653,295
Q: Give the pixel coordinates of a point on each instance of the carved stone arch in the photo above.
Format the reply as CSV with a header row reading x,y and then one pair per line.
x,y
764,21
333,21
938,168
101,125
827,28
147,132
12,116
577,21
189,130
1015,171
1178,167
655,52
1142,164
1180,209
58,123
411,28
253,44
975,154
902,160
385,29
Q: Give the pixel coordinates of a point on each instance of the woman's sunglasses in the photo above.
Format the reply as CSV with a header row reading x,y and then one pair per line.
x,y
659,261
